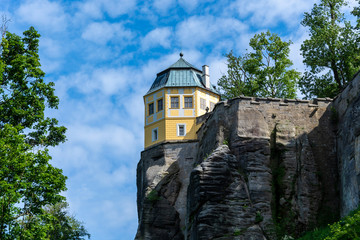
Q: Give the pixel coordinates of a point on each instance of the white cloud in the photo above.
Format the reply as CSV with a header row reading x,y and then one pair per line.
x,y
43,14
91,8
351,5
114,8
201,30
271,12
188,5
217,67
50,66
163,5
295,53
107,81
98,138
51,48
103,32
52,53
157,37
111,80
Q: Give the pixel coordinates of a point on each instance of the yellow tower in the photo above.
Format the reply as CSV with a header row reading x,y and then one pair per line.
x,y
178,95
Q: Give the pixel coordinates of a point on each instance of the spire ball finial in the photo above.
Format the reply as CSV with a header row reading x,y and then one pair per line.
x,y
181,54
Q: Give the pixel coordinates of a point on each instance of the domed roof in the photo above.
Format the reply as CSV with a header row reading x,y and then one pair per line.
x,y
180,74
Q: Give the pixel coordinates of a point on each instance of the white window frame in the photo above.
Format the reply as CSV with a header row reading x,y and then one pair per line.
x,y
153,135
178,129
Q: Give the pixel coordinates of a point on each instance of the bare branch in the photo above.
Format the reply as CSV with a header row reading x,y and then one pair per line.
x,y
4,25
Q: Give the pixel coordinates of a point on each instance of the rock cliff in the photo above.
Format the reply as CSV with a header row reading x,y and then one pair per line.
x,y
262,168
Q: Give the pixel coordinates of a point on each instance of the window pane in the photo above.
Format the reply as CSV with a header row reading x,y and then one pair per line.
x,y
202,103
174,102
151,108
154,135
160,105
188,102
181,130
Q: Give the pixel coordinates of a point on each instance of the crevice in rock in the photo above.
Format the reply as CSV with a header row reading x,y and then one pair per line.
x,y
282,212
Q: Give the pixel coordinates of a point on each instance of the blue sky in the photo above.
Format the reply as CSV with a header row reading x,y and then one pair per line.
x,y
103,56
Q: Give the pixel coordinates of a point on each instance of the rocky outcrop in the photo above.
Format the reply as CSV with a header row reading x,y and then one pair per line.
x,y
261,169
346,112
162,180
222,202
281,178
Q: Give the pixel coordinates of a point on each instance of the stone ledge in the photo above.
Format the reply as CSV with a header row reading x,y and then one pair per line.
x,y
169,142
269,100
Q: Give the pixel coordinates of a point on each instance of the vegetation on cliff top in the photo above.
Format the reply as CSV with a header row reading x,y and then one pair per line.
x,y
332,53
264,72
331,56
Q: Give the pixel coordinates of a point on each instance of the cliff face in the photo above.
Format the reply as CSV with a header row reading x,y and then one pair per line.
x,y
346,109
261,169
276,175
162,180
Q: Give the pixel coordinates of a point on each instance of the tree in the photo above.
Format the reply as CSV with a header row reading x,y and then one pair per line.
x,y
238,80
28,182
23,93
263,72
356,13
63,225
332,53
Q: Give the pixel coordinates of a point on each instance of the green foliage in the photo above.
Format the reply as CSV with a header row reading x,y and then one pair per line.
x,y
356,13
347,228
226,142
334,117
332,53
29,184
63,226
238,80
238,232
23,93
263,72
318,233
153,196
258,218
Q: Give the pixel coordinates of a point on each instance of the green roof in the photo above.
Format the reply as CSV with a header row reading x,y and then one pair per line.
x,y
181,63
180,74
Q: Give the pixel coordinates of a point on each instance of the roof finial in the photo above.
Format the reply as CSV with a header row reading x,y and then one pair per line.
x,y
181,54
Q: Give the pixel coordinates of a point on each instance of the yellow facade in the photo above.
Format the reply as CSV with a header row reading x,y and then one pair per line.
x,y
209,97
178,95
177,122
160,125
172,131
